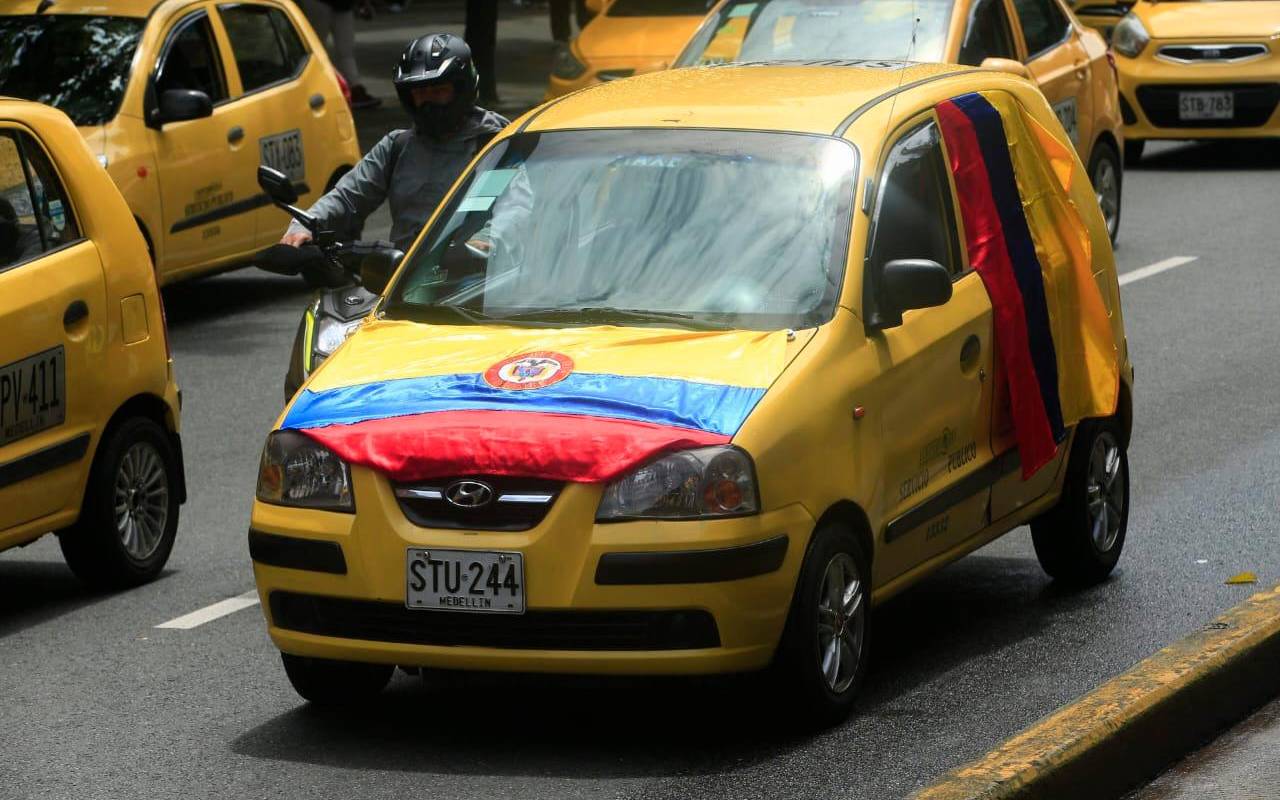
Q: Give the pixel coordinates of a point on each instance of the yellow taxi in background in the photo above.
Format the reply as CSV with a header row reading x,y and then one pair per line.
x,y
626,37
635,434
1037,39
1101,15
89,441
1198,70
181,100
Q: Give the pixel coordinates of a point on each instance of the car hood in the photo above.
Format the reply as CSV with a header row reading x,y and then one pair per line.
x,y
636,37
585,403
1248,20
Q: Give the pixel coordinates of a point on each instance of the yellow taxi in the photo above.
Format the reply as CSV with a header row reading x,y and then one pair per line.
x,y
1198,70
634,434
1037,39
181,100
626,37
89,443
1101,15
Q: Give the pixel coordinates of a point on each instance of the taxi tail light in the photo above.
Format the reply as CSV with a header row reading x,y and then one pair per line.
x,y
343,86
1111,59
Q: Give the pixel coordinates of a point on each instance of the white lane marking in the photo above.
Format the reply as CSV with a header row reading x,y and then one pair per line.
x,y
209,613
1155,269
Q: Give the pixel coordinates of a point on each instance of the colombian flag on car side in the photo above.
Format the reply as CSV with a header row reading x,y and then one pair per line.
x,y
582,404
1025,239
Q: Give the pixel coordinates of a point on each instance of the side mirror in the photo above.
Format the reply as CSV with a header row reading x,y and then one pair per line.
x,y
277,185
915,283
1006,65
377,268
180,105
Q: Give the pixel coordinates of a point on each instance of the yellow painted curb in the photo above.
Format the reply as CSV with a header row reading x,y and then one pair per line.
x,y
1132,726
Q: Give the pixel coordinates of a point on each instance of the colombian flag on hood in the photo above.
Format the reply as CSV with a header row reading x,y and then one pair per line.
x,y
1026,240
580,404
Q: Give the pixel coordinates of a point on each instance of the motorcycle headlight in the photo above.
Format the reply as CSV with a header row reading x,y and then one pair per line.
x,y
330,333
1129,38
566,65
299,471
706,482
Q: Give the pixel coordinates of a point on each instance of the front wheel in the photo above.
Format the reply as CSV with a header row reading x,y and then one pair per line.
x,y
335,683
1079,540
1106,176
822,657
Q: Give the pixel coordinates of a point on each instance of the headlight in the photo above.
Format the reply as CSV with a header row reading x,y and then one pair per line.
x,y
330,333
1129,37
299,471
689,484
566,65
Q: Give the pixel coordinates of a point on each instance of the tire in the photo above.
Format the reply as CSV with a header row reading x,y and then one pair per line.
x,y
1107,177
1077,543
129,516
825,697
335,683
1133,151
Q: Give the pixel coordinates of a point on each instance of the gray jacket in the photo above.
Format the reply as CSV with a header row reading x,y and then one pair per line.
x,y
410,171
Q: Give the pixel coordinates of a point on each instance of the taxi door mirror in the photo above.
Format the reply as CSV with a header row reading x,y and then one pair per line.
x,y
377,268
915,283
180,105
1006,65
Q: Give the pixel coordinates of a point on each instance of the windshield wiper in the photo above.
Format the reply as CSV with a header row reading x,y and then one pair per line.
x,y
609,314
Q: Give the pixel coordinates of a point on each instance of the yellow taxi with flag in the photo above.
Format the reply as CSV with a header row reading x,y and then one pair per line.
x,y
1198,70
627,37
180,100
598,425
1037,39
89,443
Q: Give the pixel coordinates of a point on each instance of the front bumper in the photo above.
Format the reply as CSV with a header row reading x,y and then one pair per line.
x,y
650,597
1150,87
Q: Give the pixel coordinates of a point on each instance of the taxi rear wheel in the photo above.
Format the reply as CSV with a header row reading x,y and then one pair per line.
x,y
326,682
1079,541
822,657
1106,176
129,518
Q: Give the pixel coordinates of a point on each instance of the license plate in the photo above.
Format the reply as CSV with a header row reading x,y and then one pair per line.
x,y
1206,105
283,151
1068,114
33,394
464,580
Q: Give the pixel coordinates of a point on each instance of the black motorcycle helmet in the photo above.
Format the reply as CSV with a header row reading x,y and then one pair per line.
x,y
432,60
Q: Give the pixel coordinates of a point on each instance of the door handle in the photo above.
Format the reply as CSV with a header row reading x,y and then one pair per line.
x,y
235,134
75,312
316,101
969,352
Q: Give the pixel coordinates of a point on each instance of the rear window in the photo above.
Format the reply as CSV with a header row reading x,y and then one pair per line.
x,y
265,44
659,8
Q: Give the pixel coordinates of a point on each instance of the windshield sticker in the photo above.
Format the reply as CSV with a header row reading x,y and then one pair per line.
x,y
493,183
743,10
476,204
529,371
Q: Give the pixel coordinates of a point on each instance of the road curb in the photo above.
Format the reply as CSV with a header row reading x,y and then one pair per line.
x,y
1131,727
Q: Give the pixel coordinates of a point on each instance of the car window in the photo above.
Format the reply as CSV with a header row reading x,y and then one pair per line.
x,y
988,34
915,216
266,46
35,215
190,60
658,8
1043,24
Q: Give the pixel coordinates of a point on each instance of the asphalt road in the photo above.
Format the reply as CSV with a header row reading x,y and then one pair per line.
x,y
96,702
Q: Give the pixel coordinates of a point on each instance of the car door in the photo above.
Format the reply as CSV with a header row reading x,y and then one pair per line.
x,y
935,393
207,167
291,116
53,314
1060,65
987,34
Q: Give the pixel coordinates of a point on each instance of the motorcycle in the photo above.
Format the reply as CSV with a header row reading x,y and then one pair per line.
x,y
348,277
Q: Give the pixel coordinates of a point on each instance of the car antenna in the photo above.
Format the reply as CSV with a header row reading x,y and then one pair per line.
x,y
44,6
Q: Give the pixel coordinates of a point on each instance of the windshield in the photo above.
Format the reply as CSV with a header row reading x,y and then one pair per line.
x,y
698,228
659,8
783,30
78,64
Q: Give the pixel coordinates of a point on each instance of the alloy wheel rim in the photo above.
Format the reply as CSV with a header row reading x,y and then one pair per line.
x,y
140,500
841,622
1105,490
1107,190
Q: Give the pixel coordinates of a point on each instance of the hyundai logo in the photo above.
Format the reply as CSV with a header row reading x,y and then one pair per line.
x,y
468,494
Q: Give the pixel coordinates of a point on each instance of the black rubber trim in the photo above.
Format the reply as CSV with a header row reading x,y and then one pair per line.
x,y
873,102
953,495
42,461
275,550
692,566
230,210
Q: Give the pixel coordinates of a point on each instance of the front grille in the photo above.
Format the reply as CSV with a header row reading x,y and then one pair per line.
x,y
375,621
1254,104
1211,53
515,504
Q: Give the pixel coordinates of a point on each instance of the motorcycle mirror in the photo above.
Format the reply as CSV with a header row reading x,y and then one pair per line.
x,y
277,185
377,268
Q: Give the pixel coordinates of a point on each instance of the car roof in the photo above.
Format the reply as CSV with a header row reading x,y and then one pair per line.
x,y
106,8
803,97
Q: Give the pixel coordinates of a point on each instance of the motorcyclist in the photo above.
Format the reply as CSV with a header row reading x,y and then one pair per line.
x,y
413,168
